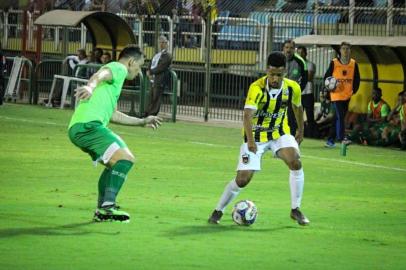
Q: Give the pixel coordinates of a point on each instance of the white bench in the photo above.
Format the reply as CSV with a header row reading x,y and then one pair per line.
x,y
66,82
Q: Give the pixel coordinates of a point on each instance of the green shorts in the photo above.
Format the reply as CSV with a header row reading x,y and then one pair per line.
x,y
96,140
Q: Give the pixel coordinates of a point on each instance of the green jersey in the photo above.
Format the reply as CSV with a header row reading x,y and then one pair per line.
x,y
101,105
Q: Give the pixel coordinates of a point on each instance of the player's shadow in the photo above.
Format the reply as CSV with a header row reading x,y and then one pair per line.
x,y
209,229
59,230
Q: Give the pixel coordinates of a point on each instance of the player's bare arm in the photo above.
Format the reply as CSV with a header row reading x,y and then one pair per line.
x,y
298,111
247,122
151,121
86,91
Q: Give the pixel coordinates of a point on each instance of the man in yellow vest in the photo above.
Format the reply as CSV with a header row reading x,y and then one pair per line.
x,y
346,71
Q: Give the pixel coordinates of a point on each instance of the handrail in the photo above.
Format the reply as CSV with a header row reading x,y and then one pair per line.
x,y
30,76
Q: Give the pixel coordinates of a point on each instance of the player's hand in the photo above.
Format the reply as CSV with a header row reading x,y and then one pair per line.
x,y
252,147
299,136
83,92
153,121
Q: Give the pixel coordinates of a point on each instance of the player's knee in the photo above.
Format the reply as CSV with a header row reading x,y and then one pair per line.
x,y
295,164
243,179
122,154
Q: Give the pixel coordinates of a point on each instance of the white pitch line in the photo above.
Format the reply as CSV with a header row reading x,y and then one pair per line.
x,y
219,145
31,121
356,163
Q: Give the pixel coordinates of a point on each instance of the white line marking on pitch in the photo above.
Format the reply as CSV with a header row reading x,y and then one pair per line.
x,y
31,121
219,145
357,163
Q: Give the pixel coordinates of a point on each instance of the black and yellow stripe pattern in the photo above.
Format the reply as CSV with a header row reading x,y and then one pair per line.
x,y
270,120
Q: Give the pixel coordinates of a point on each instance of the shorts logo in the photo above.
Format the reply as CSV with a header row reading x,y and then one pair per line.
x,y
245,158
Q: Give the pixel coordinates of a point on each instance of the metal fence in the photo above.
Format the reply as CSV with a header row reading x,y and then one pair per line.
x,y
215,61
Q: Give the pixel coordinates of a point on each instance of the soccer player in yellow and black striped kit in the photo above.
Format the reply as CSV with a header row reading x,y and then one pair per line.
x,y
266,128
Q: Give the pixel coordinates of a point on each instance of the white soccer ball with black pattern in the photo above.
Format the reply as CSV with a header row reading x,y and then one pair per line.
x,y
330,83
244,213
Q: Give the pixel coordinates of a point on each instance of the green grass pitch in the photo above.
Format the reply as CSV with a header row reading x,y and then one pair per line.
x,y
356,204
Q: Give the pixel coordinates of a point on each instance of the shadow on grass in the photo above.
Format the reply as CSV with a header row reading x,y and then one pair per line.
x,y
60,230
207,229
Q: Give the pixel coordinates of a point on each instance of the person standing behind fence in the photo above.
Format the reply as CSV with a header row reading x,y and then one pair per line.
x,y
296,70
308,93
158,74
345,70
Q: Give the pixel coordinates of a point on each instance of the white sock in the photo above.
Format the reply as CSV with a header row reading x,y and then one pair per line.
x,y
230,192
296,181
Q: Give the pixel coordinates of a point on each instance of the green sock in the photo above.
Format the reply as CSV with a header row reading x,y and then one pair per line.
x,y
104,177
118,174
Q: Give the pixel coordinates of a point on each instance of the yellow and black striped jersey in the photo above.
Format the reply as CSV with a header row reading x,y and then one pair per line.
x,y
270,120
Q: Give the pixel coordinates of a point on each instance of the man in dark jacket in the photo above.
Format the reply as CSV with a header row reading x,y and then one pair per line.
x,y
296,70
159,76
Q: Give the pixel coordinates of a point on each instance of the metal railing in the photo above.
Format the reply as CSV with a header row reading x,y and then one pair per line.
x,y
25,87
216,67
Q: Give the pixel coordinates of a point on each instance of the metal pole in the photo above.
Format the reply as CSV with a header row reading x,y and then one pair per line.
x,y
207,65
389,19
157,31
351,16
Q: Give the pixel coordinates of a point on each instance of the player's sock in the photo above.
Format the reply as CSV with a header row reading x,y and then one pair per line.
x,y
230,192
102,185
118,174
296,181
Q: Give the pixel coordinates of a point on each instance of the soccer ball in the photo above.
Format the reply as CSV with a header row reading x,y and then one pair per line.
x,y
244,213
330,83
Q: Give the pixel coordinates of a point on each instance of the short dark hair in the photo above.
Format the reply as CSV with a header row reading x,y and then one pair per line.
x,y
131,51
289,41
100,50
302,48
379,90
344,43
276,59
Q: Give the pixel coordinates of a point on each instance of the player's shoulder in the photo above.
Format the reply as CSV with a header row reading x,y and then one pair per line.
x,y
291,83
259,84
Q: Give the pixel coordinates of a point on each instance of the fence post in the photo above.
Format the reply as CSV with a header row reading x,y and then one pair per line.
x,y
207,65
174,94
145,84
31,82
389,20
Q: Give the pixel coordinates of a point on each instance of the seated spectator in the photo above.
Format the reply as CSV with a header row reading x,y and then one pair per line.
x,y
326,116
73,60
402,114
370,132
105,58
94,59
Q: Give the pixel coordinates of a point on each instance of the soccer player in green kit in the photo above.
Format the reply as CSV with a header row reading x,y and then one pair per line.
x,y
88,128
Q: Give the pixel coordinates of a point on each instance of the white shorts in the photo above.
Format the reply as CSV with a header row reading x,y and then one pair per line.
x,y
249,161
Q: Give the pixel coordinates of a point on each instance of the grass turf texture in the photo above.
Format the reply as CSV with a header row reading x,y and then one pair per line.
x,y
356,203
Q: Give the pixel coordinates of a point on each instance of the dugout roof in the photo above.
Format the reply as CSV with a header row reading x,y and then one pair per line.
x,y
108,31
381,61
326,40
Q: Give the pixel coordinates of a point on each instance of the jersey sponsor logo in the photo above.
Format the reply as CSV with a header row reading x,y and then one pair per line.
x,y
344,80
269,114
267,129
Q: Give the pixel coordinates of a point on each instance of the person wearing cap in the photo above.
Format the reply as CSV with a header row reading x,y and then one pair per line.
x,y
159,76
